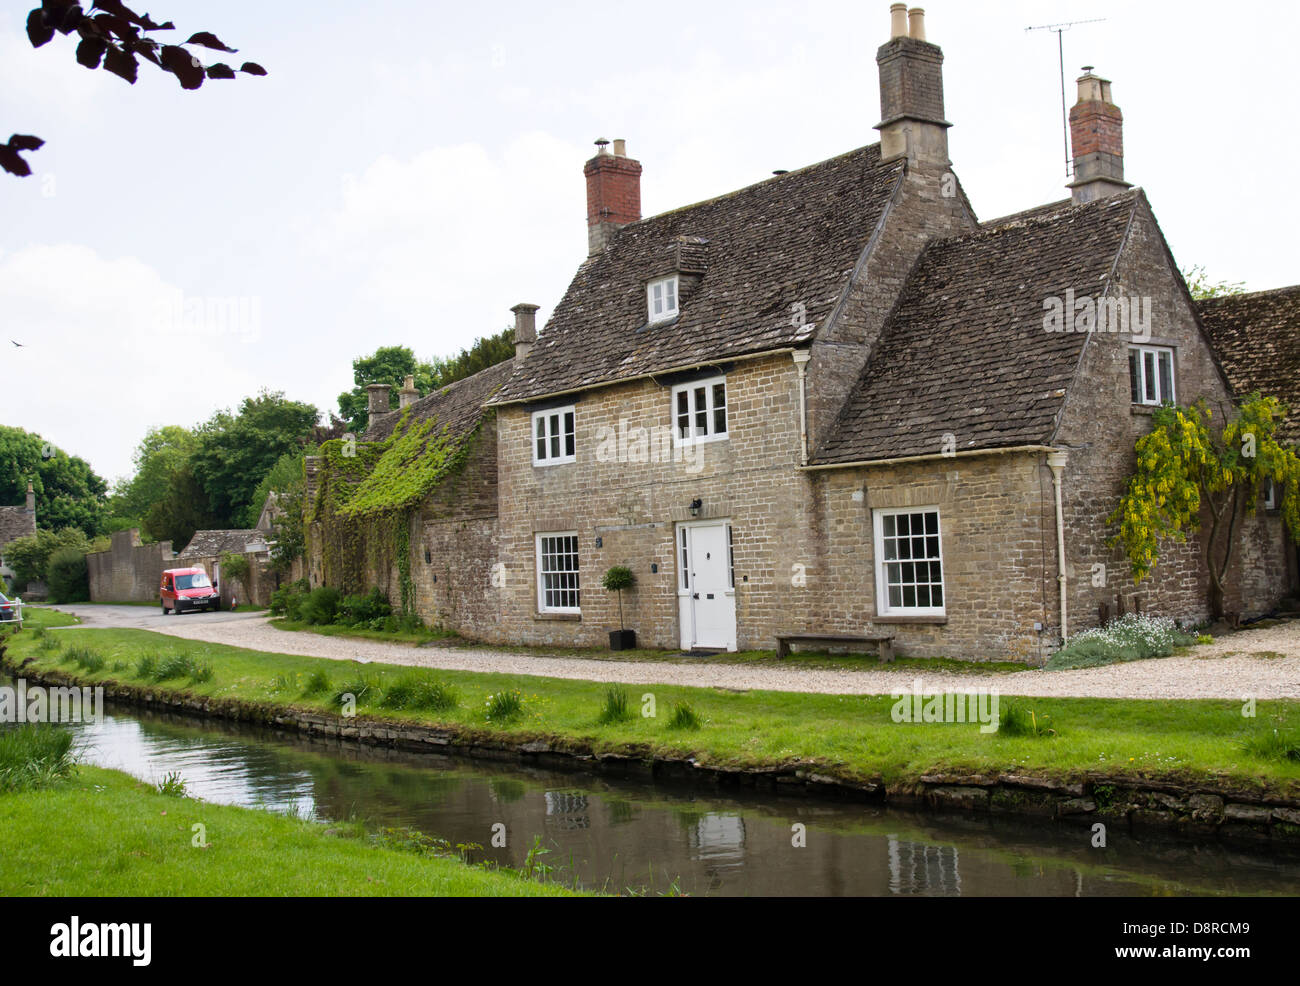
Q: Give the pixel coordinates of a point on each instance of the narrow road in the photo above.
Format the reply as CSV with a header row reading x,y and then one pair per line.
x,y
1259,663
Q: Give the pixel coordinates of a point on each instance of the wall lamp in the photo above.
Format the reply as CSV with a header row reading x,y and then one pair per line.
x,y
696,504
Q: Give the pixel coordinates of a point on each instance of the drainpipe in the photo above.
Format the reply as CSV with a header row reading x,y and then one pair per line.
x,y
801,358
1056,462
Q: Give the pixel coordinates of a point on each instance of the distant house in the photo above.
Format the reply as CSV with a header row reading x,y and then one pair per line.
x,y
1257,337
16,522
834,400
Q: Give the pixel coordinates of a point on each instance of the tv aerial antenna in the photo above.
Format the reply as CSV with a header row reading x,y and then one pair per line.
x,y
1059,30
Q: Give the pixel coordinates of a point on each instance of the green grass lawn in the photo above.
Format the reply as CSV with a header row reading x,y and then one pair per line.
x,y
853,737
103,833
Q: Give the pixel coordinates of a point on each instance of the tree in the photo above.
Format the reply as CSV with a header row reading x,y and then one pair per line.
x,y
387,364
114,37
1185,466
616,579
68,491
391,365
286,474
1201,287
67,576
161,453
183,510
29,556
235,453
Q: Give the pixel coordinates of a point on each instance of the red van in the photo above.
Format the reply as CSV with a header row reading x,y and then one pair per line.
x,y
187,588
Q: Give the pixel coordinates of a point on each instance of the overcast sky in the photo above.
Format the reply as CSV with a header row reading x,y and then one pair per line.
x,y
410,170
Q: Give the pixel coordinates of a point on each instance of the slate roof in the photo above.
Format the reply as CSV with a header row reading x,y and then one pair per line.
x,y
1257,337
795,238
458,406
965,351
210,544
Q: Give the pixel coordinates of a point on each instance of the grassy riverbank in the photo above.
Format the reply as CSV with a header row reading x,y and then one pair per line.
x,y
103,833
851,737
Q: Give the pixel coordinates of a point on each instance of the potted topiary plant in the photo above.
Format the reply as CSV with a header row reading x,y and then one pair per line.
x,y
617,579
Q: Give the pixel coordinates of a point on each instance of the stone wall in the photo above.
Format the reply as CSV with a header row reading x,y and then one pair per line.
x,y
1100,426
128,571
633,505
997,529
453,538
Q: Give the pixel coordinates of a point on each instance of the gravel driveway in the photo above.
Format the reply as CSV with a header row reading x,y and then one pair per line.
x,y
1261,663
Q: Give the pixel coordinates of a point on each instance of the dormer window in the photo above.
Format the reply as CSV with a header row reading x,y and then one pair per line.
x,y
661,298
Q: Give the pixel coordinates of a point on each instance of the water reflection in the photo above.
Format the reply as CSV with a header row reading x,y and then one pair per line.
x,y
620,835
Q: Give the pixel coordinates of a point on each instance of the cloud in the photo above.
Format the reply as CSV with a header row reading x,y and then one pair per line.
x,y
110,348
438,246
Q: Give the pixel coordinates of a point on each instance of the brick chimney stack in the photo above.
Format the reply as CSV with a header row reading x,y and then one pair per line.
x,y
377,399
31,498
1096,141
613,193
408,395
525,328
911,92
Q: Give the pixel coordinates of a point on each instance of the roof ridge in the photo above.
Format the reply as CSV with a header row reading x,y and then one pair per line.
x,y
1248,295
722,196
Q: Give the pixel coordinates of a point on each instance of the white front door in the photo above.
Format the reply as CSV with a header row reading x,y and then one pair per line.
x,y
707,598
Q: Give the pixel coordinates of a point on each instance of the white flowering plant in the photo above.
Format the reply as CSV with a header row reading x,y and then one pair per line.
x,y
1131,637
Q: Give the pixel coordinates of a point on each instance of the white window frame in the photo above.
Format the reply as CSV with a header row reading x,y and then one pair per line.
x,y
667,286
551,419
710,410
1270,494
883,607
542,606
1154,353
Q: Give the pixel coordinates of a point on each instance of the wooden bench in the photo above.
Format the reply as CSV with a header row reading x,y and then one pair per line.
x,y
883,639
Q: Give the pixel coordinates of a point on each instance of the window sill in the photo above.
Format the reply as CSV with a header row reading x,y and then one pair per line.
x,y
937,620
1147,409
558,617
554,462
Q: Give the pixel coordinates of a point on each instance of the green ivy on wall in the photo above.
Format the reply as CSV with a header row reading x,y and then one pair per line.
x,y
367,499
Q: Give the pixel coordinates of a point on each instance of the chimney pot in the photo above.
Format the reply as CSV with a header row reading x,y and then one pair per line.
x,y
911,94
408,395
1096,141
898,20
916,23
377,399
525,328
613,194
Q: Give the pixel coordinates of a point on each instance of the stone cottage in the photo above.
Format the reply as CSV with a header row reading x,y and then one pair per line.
x,y
834,400
16,522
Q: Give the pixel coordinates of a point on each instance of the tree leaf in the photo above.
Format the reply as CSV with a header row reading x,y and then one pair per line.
x,y
25,142
121,63
38,32
220,71
72,16
11,161
183,65
252,68
208,40
90,51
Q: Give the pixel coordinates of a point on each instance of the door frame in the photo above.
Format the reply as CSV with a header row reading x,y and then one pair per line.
x,y
685,594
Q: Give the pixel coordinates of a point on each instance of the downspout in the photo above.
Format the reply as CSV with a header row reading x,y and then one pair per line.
x,y
1056,462
801,358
